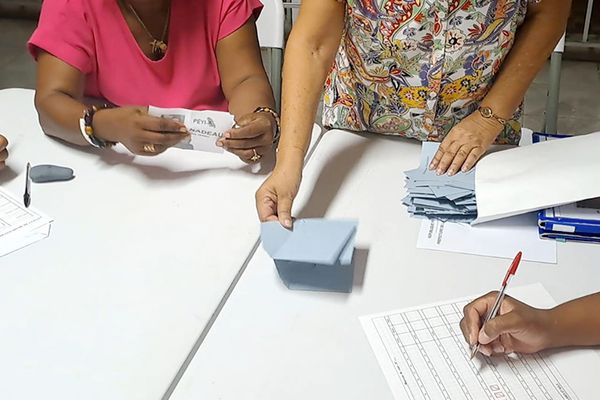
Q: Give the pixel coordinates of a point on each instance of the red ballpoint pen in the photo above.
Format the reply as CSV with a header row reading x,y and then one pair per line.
x,y
494,311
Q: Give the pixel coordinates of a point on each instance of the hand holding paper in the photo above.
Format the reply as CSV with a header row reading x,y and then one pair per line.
x,y
205,127
253,134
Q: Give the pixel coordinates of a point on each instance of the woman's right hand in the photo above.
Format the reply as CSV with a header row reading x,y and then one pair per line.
x,y
517,328
141,133
276,195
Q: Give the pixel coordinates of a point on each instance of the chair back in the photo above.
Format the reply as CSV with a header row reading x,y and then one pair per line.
x,y
270,25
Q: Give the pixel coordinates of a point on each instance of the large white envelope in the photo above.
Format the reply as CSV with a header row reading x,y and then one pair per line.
x,y
543,175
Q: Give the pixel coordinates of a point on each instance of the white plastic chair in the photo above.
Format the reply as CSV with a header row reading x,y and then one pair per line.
x,y
270,28
551,120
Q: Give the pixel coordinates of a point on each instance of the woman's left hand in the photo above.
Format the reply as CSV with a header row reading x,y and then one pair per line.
x,y
253,137
466,143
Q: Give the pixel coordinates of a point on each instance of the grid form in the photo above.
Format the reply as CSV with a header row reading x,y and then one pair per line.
x,y
13,215
426,350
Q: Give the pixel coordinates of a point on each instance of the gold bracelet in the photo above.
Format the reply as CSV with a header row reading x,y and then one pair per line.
x,y
487,113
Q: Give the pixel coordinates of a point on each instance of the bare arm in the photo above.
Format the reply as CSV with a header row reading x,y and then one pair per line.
x,y
468,141
543,27
525,329
246,87
310,52
58,99
243,78
309,55
576,323
58,96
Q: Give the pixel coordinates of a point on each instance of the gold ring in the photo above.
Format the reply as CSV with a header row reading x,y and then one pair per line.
x,y
149,148
256,156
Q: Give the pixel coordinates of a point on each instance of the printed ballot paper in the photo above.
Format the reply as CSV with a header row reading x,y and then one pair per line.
x,y
20,226
205,127
316,254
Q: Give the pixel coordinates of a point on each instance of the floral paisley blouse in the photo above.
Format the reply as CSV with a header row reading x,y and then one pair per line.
x,y
415,68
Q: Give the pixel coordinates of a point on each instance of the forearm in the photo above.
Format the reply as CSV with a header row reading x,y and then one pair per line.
x,y
59,116
305,69
249,94
309,55
534,42
576,323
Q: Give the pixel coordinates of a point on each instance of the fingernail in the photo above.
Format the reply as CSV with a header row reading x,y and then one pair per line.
x,y
498,348
287,223
472,340
183,129
431,167
483,338
219,143
464,169
439,172
227,135
450,172
485,351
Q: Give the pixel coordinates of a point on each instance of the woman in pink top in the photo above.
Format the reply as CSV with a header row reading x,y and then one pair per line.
x,y
166,53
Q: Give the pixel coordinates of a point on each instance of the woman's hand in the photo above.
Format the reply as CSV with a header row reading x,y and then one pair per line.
x,y
276,195
465,144
141,133
3,151
517,328
251,138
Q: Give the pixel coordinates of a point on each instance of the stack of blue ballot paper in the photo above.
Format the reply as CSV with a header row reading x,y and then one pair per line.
x,y
443,197
316,254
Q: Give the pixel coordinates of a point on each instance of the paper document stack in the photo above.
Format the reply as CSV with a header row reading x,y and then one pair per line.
x,y
447,198
19,226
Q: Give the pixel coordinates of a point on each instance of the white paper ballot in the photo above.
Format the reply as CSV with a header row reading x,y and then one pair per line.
x,y
423,355
20,226
502,238
205,127
536,177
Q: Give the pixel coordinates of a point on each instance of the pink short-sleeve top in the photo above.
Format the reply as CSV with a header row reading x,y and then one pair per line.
x,y
93,36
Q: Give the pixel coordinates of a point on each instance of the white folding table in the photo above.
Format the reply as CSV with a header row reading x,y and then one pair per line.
x,y
141,254
273,343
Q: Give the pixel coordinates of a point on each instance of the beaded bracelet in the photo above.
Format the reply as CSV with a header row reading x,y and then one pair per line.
x,y
87,129
277,121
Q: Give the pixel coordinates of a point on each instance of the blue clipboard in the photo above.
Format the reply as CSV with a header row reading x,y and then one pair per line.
x,y
570,222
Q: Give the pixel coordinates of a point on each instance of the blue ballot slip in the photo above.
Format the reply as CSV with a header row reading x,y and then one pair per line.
x,y
316,255
443,197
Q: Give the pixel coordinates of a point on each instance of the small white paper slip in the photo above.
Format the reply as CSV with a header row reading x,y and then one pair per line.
x,y
502,238
205,127
20,226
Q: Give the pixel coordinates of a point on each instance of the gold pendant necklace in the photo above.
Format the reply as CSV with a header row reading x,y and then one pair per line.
x,y
158,47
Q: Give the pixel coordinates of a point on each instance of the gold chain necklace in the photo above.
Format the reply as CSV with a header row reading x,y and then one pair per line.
x,y
158,47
